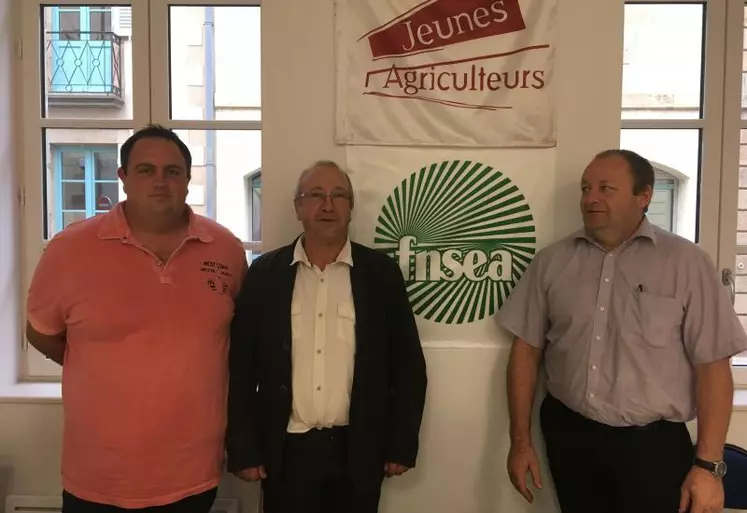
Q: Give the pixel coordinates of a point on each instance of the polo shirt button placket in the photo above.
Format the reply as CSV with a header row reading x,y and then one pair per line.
x,y
161,272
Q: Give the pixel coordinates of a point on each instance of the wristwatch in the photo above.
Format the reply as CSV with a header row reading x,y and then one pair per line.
x,y
716,468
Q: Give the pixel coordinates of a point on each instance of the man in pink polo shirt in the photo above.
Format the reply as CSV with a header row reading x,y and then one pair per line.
x,y
136,305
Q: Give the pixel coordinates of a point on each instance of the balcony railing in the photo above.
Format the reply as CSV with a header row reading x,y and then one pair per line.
x,y
84,66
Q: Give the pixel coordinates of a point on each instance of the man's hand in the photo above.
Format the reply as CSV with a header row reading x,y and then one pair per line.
x,y
523,459
252,474
394,469
702,492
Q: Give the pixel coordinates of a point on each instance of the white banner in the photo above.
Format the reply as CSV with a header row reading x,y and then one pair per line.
x,y
445,72
462,225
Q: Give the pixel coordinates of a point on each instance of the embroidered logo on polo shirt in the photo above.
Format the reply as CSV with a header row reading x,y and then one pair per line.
x,y
462,234
217,276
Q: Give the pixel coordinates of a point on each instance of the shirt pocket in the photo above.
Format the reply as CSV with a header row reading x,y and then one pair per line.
x,y
659,319
346,321
296,320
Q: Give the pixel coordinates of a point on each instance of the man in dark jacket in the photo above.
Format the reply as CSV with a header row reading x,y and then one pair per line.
x,y
327,375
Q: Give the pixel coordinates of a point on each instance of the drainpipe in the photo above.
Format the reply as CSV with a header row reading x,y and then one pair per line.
x,y
210,177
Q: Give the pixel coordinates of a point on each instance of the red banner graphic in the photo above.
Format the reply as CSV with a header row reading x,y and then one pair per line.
x,y
440,23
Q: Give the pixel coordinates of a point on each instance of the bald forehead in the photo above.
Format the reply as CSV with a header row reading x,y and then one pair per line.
x,y
608,168
321,175
322,169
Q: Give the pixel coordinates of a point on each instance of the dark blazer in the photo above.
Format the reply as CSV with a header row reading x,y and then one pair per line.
x,y
389,375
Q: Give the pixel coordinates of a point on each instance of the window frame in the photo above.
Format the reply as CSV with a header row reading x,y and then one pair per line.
x,y
735,43
84,16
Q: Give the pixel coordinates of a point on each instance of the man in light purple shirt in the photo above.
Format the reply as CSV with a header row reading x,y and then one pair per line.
x,y
637,333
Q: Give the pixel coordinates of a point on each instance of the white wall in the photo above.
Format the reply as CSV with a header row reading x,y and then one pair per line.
x,y
464,439
29,432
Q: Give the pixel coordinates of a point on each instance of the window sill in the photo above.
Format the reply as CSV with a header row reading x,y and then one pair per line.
x,y
85,100
31,393
740,399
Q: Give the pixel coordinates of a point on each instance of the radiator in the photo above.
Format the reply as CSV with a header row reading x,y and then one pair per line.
x,y
53,504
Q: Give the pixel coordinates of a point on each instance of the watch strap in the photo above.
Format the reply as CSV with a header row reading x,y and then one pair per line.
x,y
717,468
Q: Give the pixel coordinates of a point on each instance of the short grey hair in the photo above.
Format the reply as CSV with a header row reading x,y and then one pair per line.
x,y
324,163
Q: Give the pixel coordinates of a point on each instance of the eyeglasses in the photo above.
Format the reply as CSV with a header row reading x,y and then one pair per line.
x,y
320,196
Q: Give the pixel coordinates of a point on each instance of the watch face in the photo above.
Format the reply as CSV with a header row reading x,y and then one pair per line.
x,y
720,469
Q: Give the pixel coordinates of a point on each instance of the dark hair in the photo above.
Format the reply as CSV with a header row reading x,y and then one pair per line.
x,y
154,131
640,168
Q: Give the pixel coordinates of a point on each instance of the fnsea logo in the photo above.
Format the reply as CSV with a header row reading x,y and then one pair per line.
x,y
462,233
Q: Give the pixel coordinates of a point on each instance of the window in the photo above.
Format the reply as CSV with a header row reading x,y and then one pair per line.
x,y
86,182
93,73
664,101
253,184
683,83
84,54
661,209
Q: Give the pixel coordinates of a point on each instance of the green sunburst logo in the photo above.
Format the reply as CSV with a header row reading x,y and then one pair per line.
x,y
463,234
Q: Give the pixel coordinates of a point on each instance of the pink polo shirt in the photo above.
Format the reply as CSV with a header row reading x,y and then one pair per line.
x,y
145,370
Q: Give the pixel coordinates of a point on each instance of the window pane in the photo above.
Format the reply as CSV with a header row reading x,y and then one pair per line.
x,y
73,165
71,217
661,208
101,21
105,163
83,154
207,81
87,66
662,61
69,25
224,165
256,206
73,195
675,155
107,194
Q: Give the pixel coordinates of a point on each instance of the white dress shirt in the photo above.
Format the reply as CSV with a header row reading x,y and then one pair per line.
x,y
323,326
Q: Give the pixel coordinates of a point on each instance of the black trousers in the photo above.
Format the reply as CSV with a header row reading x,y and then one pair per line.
x,y
603,469
200,503
315,477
